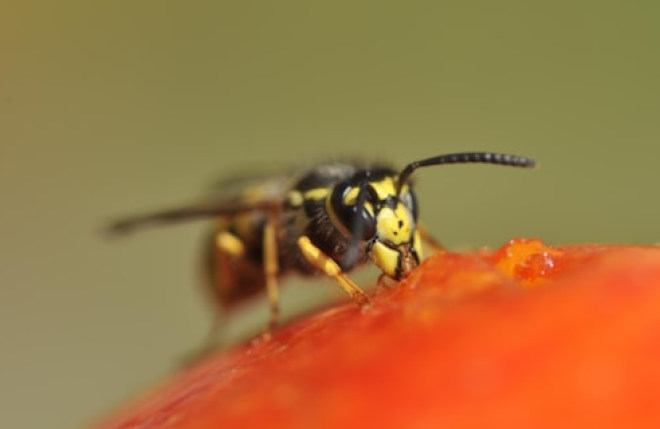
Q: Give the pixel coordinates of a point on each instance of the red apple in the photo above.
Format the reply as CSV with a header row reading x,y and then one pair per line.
x,y
528,336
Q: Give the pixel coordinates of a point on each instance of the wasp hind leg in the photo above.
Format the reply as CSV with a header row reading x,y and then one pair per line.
x,y
323,262
271,273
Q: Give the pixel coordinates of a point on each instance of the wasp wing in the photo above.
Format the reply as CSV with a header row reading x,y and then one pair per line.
x,y
192,212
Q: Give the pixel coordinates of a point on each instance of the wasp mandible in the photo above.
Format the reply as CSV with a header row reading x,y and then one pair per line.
x,y
329,218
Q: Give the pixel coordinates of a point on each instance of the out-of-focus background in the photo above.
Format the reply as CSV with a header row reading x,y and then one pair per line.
x,y
111,108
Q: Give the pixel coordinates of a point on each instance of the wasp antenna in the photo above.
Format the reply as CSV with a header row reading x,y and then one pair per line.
x,y
465,158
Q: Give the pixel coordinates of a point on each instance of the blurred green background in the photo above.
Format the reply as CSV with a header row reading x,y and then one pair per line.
x,y
108,108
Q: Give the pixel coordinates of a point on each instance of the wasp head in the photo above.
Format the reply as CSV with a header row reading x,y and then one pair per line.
x,y
382,218
378,207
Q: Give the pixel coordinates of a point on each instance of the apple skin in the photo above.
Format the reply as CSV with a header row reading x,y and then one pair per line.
x,y
526,336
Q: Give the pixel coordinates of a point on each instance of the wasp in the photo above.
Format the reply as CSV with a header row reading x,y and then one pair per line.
x,y
329,219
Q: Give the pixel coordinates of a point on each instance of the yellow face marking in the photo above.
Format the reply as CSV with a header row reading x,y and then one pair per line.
x,y
397,242
385,258
396,262
395,226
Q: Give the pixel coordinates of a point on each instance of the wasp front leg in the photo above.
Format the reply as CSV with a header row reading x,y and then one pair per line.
x,y
323,262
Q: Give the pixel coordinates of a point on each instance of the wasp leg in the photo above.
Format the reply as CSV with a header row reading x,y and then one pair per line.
x,y
271,272
434,244
324,263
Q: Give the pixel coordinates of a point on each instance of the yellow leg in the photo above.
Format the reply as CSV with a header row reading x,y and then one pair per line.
x,y
271,271
429,240
324,263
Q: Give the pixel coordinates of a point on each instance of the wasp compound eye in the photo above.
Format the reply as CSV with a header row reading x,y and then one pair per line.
x,y
349,204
